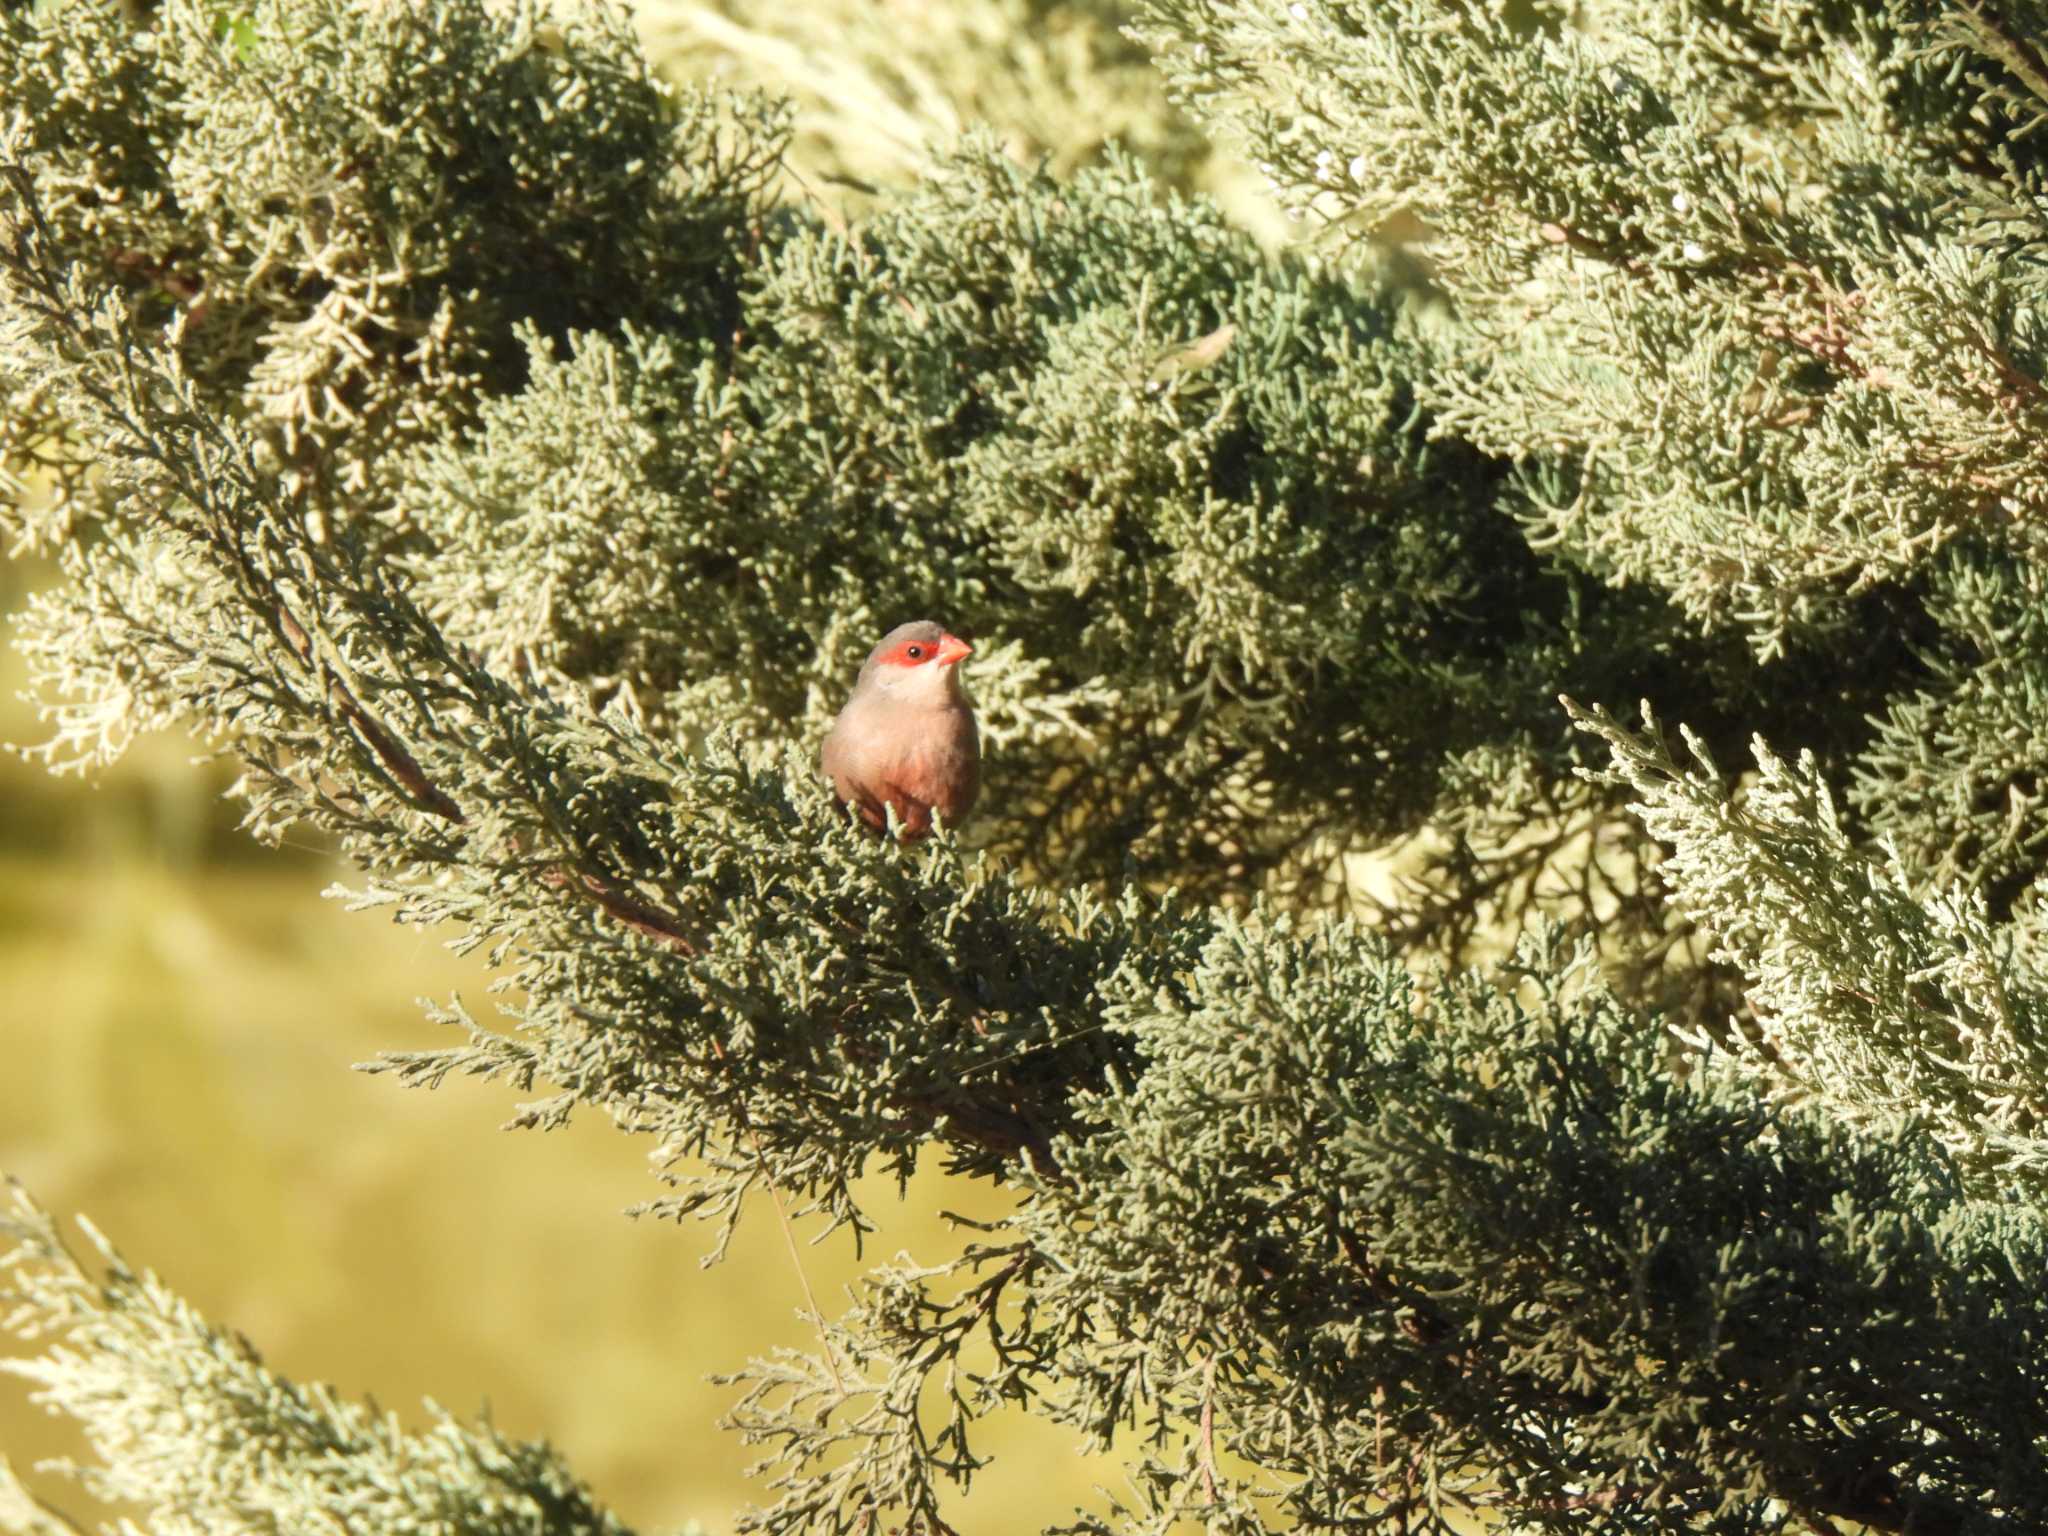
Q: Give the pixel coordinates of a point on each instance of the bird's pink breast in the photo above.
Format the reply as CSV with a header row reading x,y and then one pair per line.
x,y
915,758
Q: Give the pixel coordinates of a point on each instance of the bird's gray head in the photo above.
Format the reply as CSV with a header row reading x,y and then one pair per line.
x,y
918,659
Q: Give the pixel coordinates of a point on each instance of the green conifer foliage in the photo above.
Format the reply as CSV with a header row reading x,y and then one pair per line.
x,y
353,209
186,1418
452,426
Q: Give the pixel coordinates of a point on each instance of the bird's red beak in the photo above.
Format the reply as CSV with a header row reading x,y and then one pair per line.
x,y
951,649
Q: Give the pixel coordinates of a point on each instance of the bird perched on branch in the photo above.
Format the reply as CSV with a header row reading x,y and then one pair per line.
x,y
906,739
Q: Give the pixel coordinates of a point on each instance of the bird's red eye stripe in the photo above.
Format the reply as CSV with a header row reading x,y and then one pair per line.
x,y
943,651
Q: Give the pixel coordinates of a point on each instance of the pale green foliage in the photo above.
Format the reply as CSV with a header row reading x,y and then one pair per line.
x,y
1953,774
1750,295
1874,995
1726,399
197,1434
355,209
1689,303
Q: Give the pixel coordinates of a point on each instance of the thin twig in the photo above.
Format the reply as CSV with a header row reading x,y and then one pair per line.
x,y
1209,1428
795,1254
397,761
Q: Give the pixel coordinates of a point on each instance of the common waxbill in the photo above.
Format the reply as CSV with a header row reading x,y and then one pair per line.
x,y
906,738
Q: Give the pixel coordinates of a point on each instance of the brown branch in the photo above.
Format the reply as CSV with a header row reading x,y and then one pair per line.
x,y
642,917
2007,45
1421,1323
399,763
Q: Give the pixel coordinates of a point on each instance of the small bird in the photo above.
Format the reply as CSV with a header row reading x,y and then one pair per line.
x,y
907,738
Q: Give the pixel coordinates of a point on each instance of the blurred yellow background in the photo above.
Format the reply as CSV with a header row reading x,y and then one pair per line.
x,y
179,1012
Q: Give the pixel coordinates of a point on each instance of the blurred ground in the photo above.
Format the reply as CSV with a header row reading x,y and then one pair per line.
x,y
179,1011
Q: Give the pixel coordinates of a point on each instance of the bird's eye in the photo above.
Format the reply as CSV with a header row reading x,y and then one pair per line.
x,y
914,652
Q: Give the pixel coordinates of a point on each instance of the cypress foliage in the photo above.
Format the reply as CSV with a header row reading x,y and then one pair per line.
x,y
449,419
